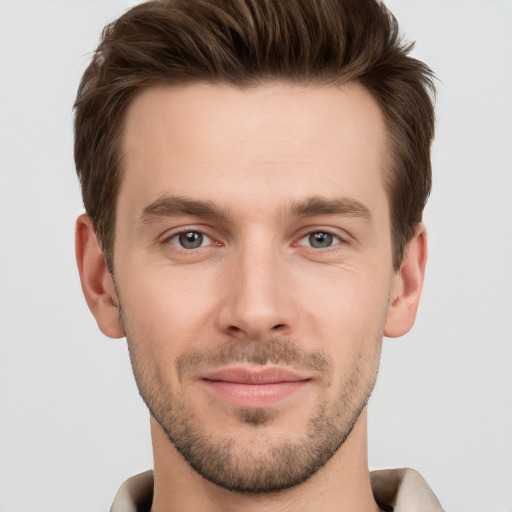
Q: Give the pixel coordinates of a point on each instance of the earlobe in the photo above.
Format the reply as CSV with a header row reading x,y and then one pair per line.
x,y
97,283
407,286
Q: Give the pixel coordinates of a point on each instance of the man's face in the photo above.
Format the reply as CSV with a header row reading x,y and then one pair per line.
x,y
253,267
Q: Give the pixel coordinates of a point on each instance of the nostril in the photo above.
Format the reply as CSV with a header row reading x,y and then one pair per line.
x,y
277,326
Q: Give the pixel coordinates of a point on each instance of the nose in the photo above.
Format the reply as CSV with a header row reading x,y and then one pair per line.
x,y
257,296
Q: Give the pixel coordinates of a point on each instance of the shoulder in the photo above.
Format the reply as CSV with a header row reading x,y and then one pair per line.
x,y
135,495
403,490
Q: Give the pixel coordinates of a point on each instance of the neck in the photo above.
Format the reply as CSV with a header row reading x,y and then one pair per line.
x,y
342,485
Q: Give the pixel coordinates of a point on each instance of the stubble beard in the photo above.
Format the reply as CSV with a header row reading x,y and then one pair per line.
x,y
242,464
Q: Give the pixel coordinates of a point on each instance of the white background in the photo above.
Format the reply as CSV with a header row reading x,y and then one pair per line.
x,y
72,426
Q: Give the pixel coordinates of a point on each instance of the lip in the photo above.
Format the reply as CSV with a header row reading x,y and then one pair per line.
x,y
254,387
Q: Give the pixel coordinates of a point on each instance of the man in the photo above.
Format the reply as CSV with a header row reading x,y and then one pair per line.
x,y
254,175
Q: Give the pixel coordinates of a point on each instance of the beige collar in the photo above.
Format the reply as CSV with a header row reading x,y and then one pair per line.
x,y
396,490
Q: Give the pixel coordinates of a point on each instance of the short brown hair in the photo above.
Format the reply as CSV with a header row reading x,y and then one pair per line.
x,y
244,43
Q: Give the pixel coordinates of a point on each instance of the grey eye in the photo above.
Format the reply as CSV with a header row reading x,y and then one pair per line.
x,y
319,240
190,240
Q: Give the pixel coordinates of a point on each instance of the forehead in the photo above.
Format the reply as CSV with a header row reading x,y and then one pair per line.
x,y
205,140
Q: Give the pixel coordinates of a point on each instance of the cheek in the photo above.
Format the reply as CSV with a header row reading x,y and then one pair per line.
x,y
345,319
349,301
167,309
174,309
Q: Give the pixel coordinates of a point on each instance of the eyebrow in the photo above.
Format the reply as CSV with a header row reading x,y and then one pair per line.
x,y
172,206
318,205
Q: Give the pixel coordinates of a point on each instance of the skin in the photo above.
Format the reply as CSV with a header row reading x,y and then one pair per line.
x,y
278,163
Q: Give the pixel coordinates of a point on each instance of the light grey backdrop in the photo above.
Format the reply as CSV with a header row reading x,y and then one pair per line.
x,y
72,426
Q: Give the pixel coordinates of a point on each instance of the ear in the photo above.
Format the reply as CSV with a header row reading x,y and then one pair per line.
x,y
407,285
97,283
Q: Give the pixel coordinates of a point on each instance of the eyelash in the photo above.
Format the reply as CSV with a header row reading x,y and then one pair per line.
x,y
336,240
318,237
169,240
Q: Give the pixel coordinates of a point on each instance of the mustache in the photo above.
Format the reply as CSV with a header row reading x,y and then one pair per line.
x,y
275,351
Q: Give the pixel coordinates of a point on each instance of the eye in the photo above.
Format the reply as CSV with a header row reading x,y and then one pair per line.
x,y
319,240
190,240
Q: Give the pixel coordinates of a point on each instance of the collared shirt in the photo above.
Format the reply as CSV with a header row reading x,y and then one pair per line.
x,y
395,490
